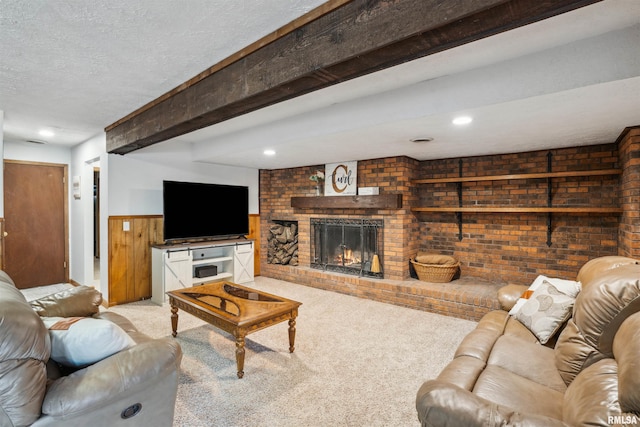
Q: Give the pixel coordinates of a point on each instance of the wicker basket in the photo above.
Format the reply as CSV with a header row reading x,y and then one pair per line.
x,y
435,272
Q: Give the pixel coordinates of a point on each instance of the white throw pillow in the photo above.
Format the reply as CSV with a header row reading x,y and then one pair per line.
x,y
86,341
568,287
546,311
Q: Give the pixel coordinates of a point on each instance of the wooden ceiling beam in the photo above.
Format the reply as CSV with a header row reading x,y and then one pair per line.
x,y
340,40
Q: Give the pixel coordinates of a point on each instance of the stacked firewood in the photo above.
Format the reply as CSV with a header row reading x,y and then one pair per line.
x,y
283,244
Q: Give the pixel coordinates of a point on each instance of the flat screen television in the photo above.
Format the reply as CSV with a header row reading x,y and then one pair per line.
x,y
197,211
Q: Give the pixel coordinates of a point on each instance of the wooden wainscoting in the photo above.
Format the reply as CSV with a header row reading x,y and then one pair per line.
x,y
254,233
130,240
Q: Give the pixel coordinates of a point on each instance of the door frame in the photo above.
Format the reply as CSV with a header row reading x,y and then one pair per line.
x,y
65,201
2,241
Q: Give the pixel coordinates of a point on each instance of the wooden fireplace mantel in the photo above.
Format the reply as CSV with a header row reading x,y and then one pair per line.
x,y
381,201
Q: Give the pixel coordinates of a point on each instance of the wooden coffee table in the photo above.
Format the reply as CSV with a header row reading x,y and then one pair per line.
x,y
235,309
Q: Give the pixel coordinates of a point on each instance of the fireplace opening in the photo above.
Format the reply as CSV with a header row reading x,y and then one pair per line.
x,y
282,242
345,245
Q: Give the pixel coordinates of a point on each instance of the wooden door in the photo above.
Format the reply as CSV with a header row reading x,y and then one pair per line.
x,y
35,213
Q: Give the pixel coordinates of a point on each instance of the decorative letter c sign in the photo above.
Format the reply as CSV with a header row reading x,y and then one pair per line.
x,y
341,179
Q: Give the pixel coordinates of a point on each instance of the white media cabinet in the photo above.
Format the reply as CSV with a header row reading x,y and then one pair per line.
x,y
174,266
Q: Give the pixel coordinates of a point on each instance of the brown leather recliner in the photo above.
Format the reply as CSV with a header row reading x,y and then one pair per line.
x,y
136,386
501,375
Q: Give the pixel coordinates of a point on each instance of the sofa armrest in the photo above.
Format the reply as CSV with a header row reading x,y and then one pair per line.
x,y
509,294
442,404
140,368
81,301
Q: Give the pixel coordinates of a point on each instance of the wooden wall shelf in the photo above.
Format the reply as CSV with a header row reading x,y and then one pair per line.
x,y
382,201
518,209
520,176
549,209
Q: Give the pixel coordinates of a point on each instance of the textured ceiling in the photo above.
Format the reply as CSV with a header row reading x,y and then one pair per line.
x,y
569,80
79,66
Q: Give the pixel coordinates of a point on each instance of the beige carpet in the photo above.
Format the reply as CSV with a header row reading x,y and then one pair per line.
x,y
357,362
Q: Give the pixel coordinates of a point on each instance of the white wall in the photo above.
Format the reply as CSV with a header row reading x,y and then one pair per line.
x,y
135,184
29,152
83,159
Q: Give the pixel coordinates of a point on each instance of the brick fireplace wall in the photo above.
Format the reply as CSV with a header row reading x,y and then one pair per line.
x,y
392,175
629,146
496,248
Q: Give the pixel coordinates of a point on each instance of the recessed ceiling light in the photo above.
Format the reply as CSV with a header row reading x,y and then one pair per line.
x,y
421,139
269,152
46,133
462,120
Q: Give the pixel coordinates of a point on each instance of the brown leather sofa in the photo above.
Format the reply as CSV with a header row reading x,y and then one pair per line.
x,y
133,387
501,375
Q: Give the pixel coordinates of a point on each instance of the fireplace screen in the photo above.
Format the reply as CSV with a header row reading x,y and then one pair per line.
x,y
352,246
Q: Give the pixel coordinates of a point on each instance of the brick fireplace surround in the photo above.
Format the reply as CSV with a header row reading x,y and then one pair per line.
x,y
496,248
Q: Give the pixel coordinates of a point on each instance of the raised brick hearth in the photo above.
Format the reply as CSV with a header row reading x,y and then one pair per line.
x,y
496,248
467,298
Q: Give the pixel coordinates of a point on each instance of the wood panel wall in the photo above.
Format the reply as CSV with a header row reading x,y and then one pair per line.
x,y
130,254
254,233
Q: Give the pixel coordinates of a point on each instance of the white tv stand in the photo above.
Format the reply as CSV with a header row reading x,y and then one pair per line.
x,y
174,266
